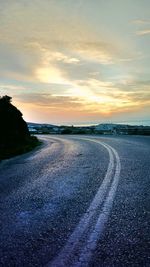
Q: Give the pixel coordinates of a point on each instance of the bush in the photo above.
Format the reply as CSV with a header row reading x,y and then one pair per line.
x,y
14,134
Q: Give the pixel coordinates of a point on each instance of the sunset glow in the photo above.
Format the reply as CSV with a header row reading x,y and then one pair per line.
x,y
76,62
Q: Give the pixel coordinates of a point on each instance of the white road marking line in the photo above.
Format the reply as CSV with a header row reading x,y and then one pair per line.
x,y
91,243
68,253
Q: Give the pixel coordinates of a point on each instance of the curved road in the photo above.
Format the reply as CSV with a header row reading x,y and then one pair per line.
x,y
77,201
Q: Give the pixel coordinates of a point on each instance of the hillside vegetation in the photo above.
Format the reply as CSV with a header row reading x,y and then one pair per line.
x,y
14,134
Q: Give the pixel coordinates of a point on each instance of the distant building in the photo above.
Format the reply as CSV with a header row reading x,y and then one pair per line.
x,y
103,128
107,128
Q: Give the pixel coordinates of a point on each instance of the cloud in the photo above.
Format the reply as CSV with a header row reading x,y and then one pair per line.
x,y
133,85
49,101
64,57
18,63
39,31
143,32
105,97
141,21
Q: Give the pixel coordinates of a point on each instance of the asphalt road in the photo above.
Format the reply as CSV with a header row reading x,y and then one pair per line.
x,y
77,201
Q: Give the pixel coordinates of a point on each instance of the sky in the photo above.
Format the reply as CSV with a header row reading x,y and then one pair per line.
x,y
76,62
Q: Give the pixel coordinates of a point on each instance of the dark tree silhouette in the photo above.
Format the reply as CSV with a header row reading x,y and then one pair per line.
x,y
13,129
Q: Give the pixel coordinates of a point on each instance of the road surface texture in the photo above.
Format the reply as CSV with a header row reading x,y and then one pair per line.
x,y
77,201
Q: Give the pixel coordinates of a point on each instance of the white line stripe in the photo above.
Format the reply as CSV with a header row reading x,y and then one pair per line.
x,y
67,251
102,220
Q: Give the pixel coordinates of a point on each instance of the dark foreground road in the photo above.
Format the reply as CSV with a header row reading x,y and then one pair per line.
x,y
77,201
